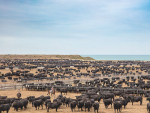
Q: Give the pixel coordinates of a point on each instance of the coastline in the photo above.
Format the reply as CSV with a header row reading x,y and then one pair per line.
x,y
119,57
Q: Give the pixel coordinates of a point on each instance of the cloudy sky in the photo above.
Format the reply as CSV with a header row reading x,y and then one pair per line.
x,y
85,27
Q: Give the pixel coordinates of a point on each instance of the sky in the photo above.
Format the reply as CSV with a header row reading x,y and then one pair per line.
x,y
84,27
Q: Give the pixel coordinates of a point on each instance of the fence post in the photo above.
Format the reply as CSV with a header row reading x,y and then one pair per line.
x,y
22,86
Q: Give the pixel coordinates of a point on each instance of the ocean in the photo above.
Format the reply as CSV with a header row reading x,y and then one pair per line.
x,y
120,57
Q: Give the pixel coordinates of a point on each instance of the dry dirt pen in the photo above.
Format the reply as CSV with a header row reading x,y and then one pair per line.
x,y
135,108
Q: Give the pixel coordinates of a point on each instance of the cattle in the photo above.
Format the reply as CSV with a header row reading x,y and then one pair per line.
x,y
73,105
10,100
31,98
3,97
88,105
96,97
63,90
62,99
46,102
91,87
78,98
147,95
67,100
80,105
117,106
148,107
25,102
123,101
96,106
5,107
108,95
137,99
107,102
148,98
3,101
117,93
38,103
58,101
92,101
45,98
17,104
53,105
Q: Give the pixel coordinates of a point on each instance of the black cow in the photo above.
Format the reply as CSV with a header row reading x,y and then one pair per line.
x,y
148,98
63,90
5,107
137,99
31,98
45,98
73,105
123,101
80,105
17,104
46,102
25,102
38,103
67,100
96,106
92,101
58,102
117,106
87,104
62,99
3,101
96,97
108,95
3,97
148,107
107,102
52,105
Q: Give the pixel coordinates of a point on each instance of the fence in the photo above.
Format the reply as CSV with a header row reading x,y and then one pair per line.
x,y
14,85
10,87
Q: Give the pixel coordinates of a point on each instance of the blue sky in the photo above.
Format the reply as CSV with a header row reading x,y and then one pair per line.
x,y
85,27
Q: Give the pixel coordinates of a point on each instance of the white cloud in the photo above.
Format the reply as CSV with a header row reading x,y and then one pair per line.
x,y
76,22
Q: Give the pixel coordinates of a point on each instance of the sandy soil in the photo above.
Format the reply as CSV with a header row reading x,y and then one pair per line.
x,y
136,108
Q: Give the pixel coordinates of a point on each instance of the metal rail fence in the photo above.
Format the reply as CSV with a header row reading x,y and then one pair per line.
x,y
14,85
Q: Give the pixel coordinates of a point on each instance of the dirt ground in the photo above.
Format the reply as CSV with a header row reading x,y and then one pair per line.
x,y
135,108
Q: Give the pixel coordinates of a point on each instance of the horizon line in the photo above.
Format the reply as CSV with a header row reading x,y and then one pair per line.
x,y
75,54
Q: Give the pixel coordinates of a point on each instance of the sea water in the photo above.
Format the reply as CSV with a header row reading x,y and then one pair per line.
x,y
120,57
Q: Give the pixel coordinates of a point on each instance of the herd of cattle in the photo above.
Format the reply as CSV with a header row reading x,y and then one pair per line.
x,y
93,91
64,70
91,95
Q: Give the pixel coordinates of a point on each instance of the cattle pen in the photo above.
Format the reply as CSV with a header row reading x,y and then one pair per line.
x,y
13,85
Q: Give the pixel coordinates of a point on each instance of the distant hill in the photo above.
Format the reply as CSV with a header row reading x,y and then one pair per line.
x,y
11,56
